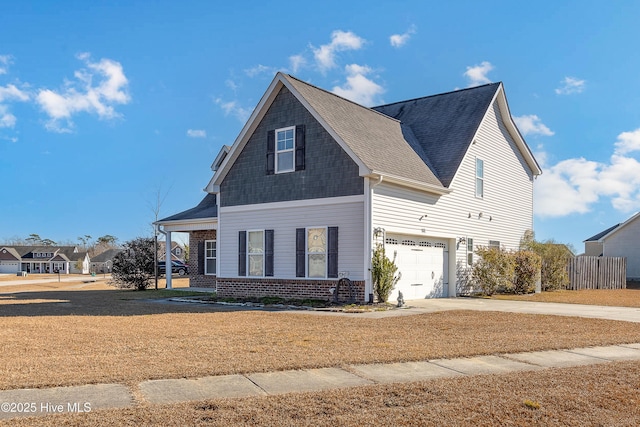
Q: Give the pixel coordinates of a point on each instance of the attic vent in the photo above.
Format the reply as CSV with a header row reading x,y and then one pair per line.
x,y
408,242
391,241
441,245
425,244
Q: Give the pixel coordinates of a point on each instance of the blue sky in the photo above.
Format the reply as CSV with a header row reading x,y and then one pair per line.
x,y
105,105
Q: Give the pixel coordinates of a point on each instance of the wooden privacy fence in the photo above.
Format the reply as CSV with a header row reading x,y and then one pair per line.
x,y
592,272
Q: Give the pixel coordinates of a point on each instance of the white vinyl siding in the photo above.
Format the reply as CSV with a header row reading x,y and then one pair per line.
x,y
624,243
284,220
503,214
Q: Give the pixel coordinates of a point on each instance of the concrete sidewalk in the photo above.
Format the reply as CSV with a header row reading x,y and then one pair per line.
x,y
86,398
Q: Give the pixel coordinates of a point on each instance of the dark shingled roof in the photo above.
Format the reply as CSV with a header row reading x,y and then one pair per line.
x,y
106,255
207,208
443,125
602,233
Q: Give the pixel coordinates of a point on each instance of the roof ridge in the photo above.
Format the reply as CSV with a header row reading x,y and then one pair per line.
x,y
342,98
438,94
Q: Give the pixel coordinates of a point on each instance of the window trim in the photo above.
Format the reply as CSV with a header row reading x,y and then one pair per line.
x,y
291,150
249,253
479,179
469,250
214,258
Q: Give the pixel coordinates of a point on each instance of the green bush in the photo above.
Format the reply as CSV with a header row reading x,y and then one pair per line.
x,y
133,267
383,274
527,267
493,272
555,258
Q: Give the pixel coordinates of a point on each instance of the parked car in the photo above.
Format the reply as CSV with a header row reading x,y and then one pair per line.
x,y
176,267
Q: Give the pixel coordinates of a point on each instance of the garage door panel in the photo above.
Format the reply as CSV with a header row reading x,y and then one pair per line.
x,y
421,264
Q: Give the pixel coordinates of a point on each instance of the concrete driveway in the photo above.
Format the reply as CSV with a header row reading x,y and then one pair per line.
x,y
626,314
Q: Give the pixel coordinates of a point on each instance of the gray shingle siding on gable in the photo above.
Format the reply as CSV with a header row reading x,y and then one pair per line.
x,y
329,171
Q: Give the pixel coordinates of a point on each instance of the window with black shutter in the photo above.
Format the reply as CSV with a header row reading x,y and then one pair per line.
x,y
242,253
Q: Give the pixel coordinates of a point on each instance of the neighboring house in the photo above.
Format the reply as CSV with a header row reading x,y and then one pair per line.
x,y
314,181
43,259
621,240
177,251
103,262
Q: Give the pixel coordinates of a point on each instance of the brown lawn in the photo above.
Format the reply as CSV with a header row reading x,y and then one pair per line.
x,y
617,297
599,395
65,334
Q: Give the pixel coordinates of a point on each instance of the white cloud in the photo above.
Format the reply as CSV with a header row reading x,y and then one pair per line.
x,y
10,93
477,74
571,85
399,40
5,61
574,185
259,69
97,88
297,62
340,41
358,87
233,108
196,133
532,125
7,120
628,142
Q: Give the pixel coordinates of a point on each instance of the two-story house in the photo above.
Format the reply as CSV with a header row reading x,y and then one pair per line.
x,y
314,181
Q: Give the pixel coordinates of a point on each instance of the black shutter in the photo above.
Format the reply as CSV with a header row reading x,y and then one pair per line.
x,y
300,252
300,131
271,152
268,253
332,252
201,257
242,253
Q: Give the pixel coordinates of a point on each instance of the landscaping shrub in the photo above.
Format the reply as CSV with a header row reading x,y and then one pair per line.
x,y
527,268
555,258
134,266
493,271
383,273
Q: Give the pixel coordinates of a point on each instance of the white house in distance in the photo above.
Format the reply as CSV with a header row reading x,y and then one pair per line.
x,y
43,259
314,181
621,240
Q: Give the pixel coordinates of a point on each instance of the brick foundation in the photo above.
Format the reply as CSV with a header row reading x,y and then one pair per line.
x,y
198,279
287,288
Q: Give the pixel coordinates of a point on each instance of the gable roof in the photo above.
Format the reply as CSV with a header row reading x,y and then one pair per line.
x,y
597,237
444,125
207,208
419,142
107,255
600,237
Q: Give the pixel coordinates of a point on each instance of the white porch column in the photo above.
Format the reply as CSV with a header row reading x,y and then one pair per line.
x,y
167,258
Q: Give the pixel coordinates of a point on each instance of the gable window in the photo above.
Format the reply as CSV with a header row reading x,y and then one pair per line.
x,y
286,149
317,252
255,253
285,144
479,178
210,254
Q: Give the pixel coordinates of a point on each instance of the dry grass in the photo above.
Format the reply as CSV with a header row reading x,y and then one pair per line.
x,y
602,395
616,298
68,336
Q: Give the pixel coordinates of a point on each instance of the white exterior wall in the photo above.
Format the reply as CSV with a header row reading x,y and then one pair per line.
x,y
507,205
346,213
625,242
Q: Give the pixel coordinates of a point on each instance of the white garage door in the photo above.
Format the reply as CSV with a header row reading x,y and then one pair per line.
x,y
423,263
8,267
